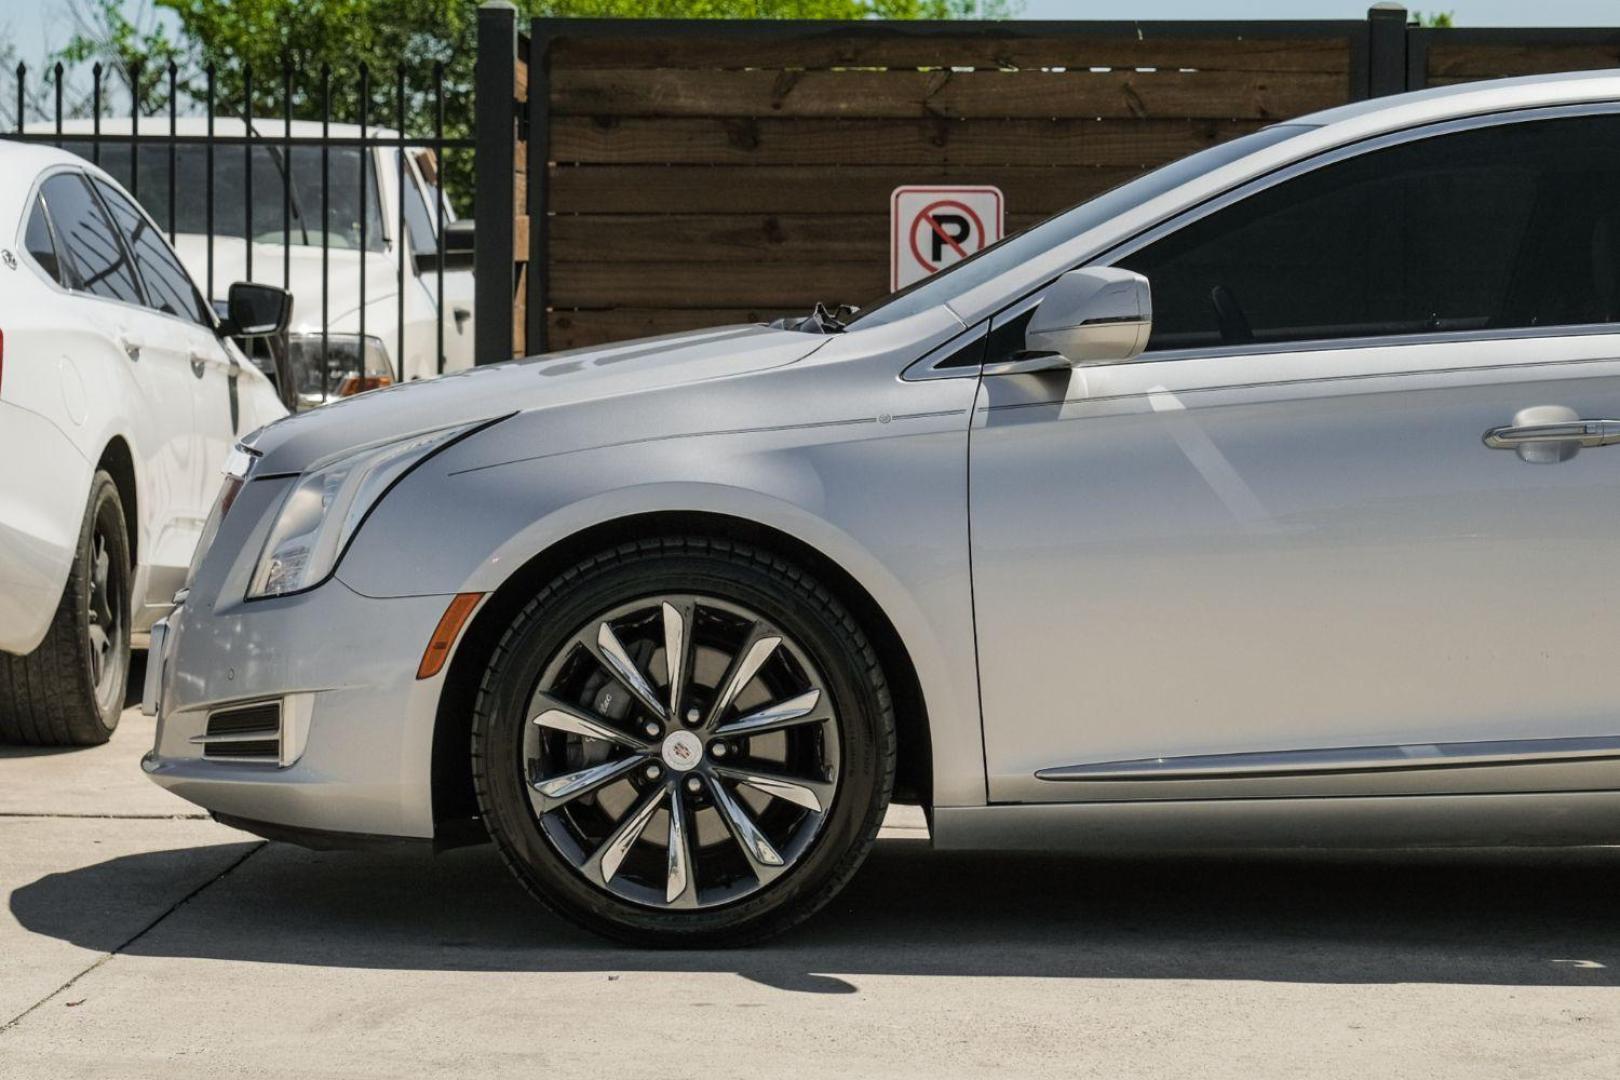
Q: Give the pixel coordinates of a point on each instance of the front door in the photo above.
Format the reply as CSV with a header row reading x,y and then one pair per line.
x,y
1277,555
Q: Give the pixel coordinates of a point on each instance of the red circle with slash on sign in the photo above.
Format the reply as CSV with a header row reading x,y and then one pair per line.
x,y
936,225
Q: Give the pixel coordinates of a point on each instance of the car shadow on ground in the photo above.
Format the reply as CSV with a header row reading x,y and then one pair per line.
x,y
1529,918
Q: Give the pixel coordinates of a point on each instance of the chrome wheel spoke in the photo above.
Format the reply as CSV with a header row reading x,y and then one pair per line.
x,y
756,649
814,795
680,889
761,855
548,795
611,855
649,713
614,657
677,652
559,715
803,709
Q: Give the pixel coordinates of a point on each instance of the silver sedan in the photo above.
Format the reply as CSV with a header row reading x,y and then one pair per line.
x,y
1260,501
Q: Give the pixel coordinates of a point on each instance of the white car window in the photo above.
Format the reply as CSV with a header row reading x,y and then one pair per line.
x,y
419,221
39,243
100,265
168,287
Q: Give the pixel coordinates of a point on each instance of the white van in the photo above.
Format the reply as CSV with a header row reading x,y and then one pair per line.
x,y
290,249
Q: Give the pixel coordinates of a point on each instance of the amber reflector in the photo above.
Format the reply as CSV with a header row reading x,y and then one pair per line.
x,y
445,634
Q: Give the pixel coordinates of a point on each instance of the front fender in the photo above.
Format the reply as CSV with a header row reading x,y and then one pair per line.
x,y
884,498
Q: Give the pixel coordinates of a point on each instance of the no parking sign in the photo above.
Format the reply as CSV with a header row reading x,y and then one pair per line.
x,y
932,227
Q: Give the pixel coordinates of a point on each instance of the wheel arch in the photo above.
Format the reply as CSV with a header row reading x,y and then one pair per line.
x,y
119,462
452,791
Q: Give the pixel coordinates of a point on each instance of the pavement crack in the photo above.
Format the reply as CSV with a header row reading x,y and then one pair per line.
x,y
142,932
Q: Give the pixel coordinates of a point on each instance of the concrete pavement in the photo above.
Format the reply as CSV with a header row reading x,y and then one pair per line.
x,y
139,940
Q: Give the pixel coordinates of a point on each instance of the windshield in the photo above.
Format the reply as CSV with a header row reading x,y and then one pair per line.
x,y
1008,253
231,190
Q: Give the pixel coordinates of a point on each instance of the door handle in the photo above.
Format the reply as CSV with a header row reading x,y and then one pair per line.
x,y
199,364
131,347
1566,432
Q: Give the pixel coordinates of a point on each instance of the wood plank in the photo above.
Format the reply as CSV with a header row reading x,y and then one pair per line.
x,y
520,192
520,311
1465,62
956,94
781,141
718,237
569,329
520,238
735,283
996,47
520,80
791,189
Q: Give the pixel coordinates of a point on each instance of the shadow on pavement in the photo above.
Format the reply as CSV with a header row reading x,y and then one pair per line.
x,y
1532,918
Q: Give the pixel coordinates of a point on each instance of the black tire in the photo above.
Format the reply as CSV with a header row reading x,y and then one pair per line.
x,y
70,691
791,600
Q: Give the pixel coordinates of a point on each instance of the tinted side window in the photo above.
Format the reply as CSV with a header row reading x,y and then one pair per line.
x,y
37,239
91,244
419,220
168,287
1511,226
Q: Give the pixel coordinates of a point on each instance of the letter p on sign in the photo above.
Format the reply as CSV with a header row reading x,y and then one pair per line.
x,y
932,227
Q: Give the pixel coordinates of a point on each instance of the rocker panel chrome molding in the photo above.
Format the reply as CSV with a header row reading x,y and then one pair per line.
x,y
1343,759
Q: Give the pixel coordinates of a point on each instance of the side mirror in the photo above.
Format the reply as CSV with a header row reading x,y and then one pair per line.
x,y
253,311
1096,315
458,249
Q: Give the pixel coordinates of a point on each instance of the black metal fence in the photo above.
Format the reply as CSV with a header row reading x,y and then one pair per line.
x,y
318,184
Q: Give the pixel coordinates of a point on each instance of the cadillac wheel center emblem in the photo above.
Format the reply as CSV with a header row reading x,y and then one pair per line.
x,y
682,751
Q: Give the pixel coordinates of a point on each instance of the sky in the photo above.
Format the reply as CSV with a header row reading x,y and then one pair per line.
x,y
38,26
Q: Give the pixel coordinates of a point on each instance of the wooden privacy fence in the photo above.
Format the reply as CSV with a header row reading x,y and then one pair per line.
x,y
671,175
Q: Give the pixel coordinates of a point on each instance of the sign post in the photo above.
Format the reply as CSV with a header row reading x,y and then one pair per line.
x,y
932,227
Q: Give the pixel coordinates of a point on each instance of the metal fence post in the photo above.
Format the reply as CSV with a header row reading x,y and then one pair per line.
x,y
495,165
1386,49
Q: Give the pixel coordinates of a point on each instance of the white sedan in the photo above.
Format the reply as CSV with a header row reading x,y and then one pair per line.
x,y
121,393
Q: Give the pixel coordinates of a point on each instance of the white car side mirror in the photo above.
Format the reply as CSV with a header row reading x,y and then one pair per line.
x,y
1095,315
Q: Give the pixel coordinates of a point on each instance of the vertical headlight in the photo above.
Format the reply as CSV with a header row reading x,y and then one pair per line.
x,y
321,512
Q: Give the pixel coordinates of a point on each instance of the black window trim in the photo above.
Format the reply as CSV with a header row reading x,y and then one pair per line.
x,y
1153,233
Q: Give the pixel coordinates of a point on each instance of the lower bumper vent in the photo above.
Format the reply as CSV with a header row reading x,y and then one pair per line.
x,y
247,733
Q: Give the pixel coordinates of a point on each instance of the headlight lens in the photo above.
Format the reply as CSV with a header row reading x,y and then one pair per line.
x,y
325,507
353,365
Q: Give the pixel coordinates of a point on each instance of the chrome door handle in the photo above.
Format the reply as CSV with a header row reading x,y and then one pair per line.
x,y
1576,432
131,347
199,364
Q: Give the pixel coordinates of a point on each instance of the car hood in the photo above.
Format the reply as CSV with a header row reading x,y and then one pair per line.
x,y
553,381
303,280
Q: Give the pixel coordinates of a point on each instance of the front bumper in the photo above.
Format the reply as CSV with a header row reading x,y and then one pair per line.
x,y
345,666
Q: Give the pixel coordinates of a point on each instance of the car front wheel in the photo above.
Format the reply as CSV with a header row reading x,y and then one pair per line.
x,y
684,742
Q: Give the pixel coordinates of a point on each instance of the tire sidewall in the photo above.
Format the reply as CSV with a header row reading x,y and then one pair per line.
x,y
106,507
780,594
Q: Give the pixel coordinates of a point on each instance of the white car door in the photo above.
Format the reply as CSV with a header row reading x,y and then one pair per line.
x,y
423,216
98,268
215,369
1313,542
